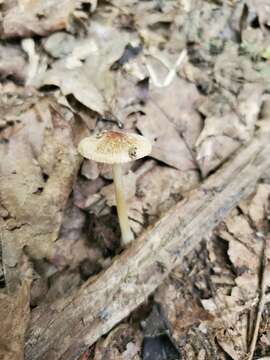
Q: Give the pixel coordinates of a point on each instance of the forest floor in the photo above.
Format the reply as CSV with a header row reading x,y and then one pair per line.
x,y
192,76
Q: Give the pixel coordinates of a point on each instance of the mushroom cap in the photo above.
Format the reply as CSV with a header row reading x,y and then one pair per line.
x,y
114,147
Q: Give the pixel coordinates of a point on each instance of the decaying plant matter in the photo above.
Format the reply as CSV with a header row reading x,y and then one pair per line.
x,y
193,78
136,273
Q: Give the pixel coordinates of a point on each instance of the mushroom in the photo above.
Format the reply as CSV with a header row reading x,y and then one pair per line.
x,y
115,147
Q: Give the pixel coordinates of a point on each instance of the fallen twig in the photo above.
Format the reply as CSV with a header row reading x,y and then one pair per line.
x,y
260,304
64,329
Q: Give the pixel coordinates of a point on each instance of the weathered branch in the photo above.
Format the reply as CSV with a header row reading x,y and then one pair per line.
x,y
66,328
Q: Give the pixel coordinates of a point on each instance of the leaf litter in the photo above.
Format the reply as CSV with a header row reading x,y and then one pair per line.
x,y
193,77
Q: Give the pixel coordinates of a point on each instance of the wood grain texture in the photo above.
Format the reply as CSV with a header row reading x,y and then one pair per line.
x,y
66,328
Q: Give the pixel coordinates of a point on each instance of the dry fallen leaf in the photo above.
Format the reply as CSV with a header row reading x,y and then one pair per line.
x,y
168,146
232,305
181,312
160,187
223,134
12,62
41,17
74,82
262,9
259,206
36,180
123,343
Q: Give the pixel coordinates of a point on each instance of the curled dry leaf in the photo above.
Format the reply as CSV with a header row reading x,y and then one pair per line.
x,y
84,68
36,65
75,82
262,9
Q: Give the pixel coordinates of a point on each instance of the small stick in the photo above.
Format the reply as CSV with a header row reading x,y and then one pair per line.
x,y
260,304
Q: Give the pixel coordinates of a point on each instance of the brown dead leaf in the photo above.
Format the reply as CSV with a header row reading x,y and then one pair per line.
x,y
36,179
178,102
14,316
232,305
62,284
181,312
239,228
160,186
71,252
223,134
231,70
122,343
75,82
85,66
213,147
259,206
59,44
168,146
233,339
28,18
90,169
206,21
73,245
262,9
171,121
12,62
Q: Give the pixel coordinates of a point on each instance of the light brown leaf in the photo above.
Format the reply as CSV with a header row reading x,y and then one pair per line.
x,y
75,82
116,346
168,146
41,161
12,62
223,134
39,17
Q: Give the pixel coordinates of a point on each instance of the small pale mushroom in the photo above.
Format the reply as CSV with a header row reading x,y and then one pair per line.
x,y
116,148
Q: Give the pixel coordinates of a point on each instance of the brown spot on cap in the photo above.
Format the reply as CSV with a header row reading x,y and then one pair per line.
x,y
114,147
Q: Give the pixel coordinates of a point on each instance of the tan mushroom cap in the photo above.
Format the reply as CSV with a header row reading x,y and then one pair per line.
x,y
114,147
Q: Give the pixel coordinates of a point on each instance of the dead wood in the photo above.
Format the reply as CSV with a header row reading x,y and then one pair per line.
x,y
14,316
261,304
65,328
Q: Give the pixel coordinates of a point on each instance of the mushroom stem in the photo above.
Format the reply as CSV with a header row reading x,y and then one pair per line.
x,y
121,205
